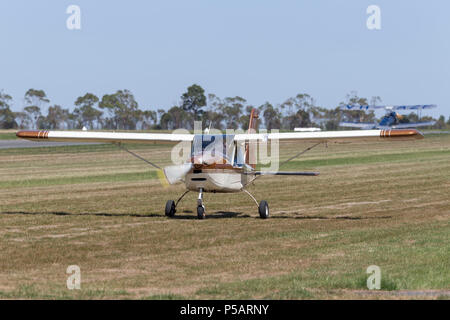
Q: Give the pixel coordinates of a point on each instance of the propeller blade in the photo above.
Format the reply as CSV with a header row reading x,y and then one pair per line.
x,y
177,173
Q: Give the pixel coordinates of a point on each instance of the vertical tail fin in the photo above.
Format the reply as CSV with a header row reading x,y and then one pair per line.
x,y
251,129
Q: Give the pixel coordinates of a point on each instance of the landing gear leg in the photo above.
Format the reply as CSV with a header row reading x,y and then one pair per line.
x,y
200,206
263,206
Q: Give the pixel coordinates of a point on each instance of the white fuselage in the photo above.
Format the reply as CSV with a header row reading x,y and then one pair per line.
x,y
216,180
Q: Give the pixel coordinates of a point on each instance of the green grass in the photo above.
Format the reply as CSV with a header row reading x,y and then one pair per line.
x,y
423,266
77,149
116,177
30,291
383,204
423,156
8,135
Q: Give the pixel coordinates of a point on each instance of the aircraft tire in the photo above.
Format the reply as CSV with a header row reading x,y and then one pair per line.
x,y
263,209
200,212
170,208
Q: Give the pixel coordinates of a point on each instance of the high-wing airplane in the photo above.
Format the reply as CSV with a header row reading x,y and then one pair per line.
x,y
221,163
391,120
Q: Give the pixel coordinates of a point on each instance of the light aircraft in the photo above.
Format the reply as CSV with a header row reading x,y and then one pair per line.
x,y
230,167
390,120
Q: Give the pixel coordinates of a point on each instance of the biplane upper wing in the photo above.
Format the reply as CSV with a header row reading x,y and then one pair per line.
x,y
335,136
387,107
105,137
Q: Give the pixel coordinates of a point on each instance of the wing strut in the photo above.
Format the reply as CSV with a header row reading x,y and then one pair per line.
x,y
138,156
299,154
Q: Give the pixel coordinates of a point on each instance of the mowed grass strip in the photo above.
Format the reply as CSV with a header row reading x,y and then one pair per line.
x,y
377,158
113,177
88,147
8,135
322,235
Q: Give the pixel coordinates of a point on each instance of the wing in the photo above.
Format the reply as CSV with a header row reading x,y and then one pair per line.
x,y
107,137
360,107
361,125
335,136
414,107
414,124
368,107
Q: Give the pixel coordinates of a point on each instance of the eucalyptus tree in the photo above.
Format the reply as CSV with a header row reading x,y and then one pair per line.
x,y
7,117
86,114
35,100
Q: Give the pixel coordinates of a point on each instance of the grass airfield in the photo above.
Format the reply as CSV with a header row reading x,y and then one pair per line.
x,y
95,206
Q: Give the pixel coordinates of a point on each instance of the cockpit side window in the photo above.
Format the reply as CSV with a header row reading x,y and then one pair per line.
x,y
239,157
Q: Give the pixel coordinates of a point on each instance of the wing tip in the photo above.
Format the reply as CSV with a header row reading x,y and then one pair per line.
x,y
401,134
32,134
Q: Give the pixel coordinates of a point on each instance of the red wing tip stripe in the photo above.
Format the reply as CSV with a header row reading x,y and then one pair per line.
x,y
401,133
39,135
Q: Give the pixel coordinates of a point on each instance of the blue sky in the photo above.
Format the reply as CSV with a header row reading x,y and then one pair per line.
x,y
258,49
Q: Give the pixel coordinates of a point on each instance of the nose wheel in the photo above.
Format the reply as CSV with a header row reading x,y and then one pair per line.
x,y
200,206
201,212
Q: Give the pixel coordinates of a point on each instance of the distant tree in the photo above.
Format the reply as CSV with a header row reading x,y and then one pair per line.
x,y
86,114
56,118
297,111
213,119
176,118
23,120
34,101
33,113
72,121
149,119
333,116
411,117
7,117
271,115
214,115
193,100
440,123
123,110
36,97
318,116
232,111
245,118
358,115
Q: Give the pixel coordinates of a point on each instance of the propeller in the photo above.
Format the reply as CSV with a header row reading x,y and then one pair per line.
x,y
176,173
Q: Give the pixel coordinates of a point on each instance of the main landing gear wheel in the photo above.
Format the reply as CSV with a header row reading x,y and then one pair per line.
x,y
263,209
170,208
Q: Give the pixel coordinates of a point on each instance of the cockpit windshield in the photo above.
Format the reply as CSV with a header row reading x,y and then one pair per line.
x,y
213,148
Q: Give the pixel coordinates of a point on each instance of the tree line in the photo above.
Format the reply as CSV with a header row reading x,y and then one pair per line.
x,y
121,111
